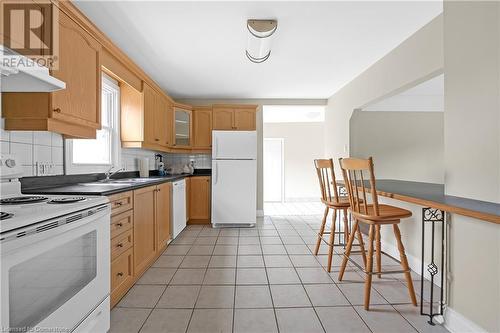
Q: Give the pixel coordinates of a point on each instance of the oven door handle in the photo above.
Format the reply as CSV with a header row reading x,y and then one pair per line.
x,y
51,228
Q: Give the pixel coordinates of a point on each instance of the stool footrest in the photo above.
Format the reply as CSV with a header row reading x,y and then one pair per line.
x,y
363,269
338,244
329,232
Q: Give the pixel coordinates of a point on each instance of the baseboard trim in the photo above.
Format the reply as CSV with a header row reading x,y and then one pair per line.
x,y
198,221
457,323
453,321
260,212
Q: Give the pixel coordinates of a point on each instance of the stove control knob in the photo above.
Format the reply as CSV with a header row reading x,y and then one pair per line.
x,y
10,163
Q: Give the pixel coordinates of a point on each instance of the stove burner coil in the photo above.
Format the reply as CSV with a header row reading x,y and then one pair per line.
x,y
66,200
22,200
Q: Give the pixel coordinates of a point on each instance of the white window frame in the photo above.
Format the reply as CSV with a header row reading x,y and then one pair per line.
x,y
110,85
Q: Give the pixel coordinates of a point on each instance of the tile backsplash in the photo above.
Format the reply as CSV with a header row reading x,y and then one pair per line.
x,y
47,147
201,161
34,147
131,156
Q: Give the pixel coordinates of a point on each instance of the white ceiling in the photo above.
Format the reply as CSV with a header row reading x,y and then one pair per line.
x,y
427,96
197,49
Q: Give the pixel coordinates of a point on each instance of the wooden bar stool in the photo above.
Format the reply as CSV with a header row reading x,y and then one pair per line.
x,y
330,197
375,216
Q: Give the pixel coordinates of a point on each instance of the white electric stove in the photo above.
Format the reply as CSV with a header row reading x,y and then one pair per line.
x,y
55,258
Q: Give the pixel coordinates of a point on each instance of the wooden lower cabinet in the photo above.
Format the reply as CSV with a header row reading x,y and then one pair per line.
x,y
199,199
121,246
188,190
162,211
140,232
122,275
144,228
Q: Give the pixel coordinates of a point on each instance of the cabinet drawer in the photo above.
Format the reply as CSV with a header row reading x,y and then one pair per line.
x,y
121,272
121,223
121,243
121,202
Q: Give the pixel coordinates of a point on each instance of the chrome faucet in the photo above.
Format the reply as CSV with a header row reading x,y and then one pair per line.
x,y
109,174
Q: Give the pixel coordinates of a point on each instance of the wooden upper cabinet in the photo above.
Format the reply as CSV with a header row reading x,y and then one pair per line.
x,y
79,67
223,118
146,118
150,115
182,134
202,127
74,111
244,119
234,117
199,198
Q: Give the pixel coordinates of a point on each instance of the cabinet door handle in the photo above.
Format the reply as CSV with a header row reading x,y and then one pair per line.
x,y
157,139
119,245
119,274
57,110
118,203
119,224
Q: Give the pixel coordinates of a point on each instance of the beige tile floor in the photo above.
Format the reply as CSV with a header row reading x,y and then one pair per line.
x,y
263,279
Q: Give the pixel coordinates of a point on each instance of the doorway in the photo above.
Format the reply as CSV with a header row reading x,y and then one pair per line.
x,y
274,175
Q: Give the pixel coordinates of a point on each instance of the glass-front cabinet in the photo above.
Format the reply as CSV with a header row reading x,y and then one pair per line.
x,y
182,127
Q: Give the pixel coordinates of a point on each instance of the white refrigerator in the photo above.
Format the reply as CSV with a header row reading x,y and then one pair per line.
x,y
234,178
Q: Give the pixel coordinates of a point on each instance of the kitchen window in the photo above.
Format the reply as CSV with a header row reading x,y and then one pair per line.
x,y
103,152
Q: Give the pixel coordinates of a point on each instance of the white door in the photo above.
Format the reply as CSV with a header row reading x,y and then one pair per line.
x,y
273,170
234,145
234,191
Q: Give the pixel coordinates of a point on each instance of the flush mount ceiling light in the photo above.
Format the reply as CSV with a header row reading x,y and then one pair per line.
x,y
259,39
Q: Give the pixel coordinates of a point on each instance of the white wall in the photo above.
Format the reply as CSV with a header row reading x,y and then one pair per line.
x,y
260,103
470,62
404,145
303,142
472,154
417,59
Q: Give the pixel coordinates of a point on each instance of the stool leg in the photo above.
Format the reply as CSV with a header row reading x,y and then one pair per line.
x,y
321,230
361,245
348,249
369,268
346,227
331,240
404,264
379,250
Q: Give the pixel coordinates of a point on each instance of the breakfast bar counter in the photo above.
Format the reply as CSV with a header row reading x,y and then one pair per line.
x,y
432,195
435,204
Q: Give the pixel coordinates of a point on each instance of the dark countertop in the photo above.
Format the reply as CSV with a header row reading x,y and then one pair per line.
x,y
432,195
79,185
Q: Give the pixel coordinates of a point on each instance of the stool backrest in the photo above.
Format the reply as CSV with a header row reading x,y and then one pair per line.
x,y
327,181
356,182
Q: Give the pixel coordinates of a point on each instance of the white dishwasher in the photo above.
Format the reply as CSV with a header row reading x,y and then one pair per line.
x,y
178,207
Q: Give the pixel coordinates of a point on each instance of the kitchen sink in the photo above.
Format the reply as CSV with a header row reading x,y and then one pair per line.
x,y
101,184
129,180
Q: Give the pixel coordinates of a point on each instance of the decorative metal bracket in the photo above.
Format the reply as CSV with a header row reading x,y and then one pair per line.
x,y
433,216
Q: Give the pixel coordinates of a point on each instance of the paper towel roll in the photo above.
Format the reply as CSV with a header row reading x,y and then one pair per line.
x,y
144,167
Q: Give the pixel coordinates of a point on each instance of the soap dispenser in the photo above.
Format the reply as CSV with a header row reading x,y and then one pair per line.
x,y
161,165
